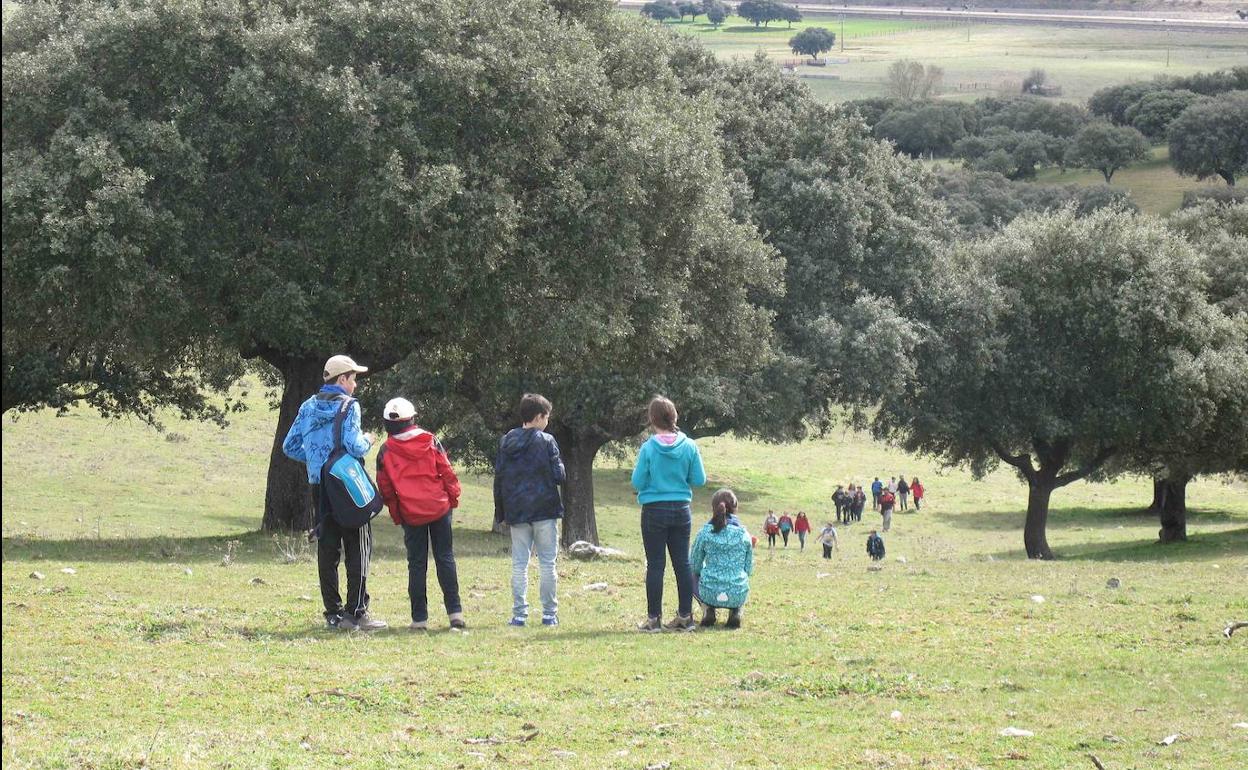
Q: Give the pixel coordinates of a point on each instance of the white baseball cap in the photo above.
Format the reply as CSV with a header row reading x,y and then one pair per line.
x,y
340,365
399,409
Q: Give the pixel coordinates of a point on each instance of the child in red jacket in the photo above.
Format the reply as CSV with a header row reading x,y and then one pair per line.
x,y
420,489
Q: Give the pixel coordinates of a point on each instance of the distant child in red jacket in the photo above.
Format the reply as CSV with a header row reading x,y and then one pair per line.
x,y
801,527
420,489
916,489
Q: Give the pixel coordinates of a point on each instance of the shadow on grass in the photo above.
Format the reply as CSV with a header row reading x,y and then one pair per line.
x,y
437,627
1205,546
1069,518
250,548
1198,547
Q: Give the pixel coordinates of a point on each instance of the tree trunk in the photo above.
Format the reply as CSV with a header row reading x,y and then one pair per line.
x,y
288,505
1173,511
579,519
1159,496
1034,538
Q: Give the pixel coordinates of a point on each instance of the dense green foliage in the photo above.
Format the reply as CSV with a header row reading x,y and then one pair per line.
x,y
1106,148
1058,344
1011,136
716,12
661,10
980,202
458,188
102,303
1155,111
766,11
1215,437
855,228
812,41
1210,138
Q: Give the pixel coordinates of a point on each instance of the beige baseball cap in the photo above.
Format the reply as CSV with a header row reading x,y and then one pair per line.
x,y
339,365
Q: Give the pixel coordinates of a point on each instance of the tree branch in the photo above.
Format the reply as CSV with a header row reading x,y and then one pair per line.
x,y
1020,461
1087,468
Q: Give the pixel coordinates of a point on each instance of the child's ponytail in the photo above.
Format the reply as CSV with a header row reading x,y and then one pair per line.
x,y
723,503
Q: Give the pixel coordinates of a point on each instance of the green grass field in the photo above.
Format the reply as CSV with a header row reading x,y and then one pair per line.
x,y
979,59
1153,184
153,654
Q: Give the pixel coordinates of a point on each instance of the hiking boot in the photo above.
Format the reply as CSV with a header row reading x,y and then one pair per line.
x,y
550,620
333,621
681,623
457,621
363,622
418,625
734,618
650,626
517,622
708,618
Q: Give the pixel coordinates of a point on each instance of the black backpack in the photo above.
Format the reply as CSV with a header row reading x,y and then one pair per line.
x,y
352,496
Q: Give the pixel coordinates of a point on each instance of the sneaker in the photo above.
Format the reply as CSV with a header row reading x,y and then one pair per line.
x,y
681,623
362,623
333,621
650,626
418,625
517,622
457,621
734,618
550,620
708,618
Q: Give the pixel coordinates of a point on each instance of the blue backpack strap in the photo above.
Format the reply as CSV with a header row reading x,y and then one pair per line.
x,y
340,418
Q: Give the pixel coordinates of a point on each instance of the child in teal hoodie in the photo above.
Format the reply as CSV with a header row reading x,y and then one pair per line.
x,y
668,467
722,559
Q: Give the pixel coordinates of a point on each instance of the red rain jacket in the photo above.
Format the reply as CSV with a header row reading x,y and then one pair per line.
x,y
415,478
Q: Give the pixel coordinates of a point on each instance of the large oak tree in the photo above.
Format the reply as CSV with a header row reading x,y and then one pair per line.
x,y
373,177
1055,345
856,230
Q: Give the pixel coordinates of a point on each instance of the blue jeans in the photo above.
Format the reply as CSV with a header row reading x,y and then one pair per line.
x,y
665,527
419,540
542,537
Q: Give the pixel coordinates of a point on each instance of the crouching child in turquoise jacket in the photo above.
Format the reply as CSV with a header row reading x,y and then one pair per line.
x,y
723,560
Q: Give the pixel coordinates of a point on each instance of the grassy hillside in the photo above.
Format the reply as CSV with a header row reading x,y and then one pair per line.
x,y
980,59
1153,184
152,653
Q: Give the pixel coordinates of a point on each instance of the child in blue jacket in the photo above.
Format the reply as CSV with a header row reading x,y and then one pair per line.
x,y
668,467
723,560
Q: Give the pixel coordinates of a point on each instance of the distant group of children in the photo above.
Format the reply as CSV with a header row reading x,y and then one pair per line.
x,y
419,487
783,526
850,501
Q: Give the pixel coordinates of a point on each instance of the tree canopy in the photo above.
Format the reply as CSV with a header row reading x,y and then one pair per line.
x,y
1155,111
812,41
661,10
319,180
1106,148
856,231
1215,440
1055,345
766,11
1210,138
99,306
716,12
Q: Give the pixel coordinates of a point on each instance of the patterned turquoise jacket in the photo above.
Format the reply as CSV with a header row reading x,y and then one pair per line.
x,y
723,562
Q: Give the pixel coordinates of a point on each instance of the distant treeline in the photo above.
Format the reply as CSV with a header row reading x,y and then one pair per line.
x,y
1015,136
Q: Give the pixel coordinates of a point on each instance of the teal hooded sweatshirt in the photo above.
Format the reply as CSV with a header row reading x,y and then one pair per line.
x,y
668,467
